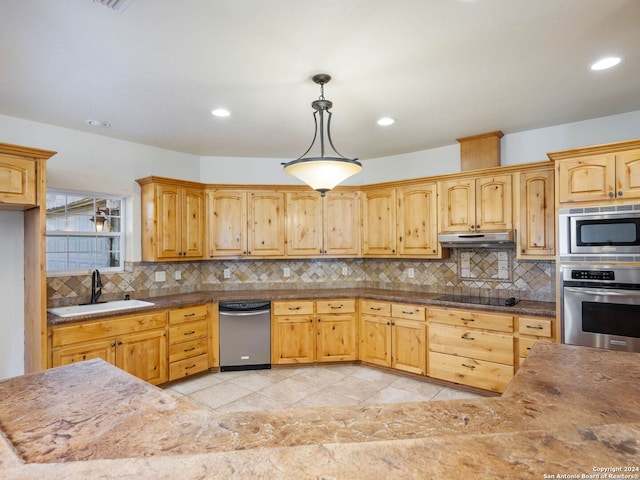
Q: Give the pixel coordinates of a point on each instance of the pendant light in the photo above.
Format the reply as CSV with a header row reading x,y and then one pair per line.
x,y
324,172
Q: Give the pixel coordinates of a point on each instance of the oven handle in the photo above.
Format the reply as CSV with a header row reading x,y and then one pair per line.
x,y
602,291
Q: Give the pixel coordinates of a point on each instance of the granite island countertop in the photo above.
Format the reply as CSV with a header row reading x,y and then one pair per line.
x,y
568,410
523,307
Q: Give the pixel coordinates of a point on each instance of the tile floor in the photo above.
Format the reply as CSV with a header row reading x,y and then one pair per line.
x,y
313,386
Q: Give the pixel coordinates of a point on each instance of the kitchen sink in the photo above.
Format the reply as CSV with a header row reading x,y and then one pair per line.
x,y
75,310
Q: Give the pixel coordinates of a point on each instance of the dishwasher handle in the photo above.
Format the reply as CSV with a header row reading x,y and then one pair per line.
x,y
244,314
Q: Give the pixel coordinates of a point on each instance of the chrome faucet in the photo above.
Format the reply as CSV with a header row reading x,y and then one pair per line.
x,y
96,286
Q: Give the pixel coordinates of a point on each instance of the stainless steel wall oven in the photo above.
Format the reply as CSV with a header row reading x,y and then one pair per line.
x,y
601,306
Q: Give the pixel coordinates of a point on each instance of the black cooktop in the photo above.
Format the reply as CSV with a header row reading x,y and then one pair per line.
x,y
499,302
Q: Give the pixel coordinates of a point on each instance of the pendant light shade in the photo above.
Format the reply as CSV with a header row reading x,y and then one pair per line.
x,y
322,173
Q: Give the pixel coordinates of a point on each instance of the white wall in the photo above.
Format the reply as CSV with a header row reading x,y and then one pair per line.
x,y
11,294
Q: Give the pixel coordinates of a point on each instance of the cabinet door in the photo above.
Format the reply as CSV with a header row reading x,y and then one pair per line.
x,y
104,349
304,224
292,340
417,221
536,233
628,175
266,221
379,222
17,180
493,204
587,179
409,351
376,340
192,222
227,220
457,205
144,355
342,224
336,338
169,226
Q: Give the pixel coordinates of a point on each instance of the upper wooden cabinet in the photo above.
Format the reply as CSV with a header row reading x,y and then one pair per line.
x,y
172,220
17,181
476,204
400,222
535,209
322,225
265,214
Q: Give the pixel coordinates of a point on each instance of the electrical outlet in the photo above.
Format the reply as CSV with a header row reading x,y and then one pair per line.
x,y
411,273
161,276
287,272
227,273
177,275
345,271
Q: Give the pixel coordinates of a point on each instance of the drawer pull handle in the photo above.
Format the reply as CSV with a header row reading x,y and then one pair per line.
x,y
294,308
375,309
192,366
464,337
407,313
535,327
467,319
190,333
468,366
336,308
190,349
190,314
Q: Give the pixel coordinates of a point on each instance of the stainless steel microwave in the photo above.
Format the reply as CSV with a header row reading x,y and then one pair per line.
x,y
607,231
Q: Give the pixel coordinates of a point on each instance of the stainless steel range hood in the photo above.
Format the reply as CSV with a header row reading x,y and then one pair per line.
x,y
471,240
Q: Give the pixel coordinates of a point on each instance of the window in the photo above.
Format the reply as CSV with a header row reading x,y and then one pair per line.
x,y
84,232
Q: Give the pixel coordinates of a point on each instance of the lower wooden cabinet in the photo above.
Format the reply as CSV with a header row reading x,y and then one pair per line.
x,y
188,341
394,335
532,330
313,331
135,343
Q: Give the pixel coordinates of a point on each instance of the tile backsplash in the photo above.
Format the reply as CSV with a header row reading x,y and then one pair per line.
x,y
482,272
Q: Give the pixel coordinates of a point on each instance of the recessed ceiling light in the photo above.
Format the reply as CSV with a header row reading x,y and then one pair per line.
x,y
98,123
386,121
605,63
220,112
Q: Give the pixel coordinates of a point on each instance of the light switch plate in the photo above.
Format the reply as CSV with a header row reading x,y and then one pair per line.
x,y
345,271
161,276
411,273
226,273
287,272
177,275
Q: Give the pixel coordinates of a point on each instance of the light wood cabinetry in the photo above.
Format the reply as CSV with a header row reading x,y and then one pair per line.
x,y
266,234
17,181
173,221
481,204
188,341
393,335
318,226
535,207
401,222
532,330
471,347
23,187
307,331
134,343
598,174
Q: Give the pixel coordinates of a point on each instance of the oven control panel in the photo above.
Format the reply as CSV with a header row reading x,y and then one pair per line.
x,y
592,275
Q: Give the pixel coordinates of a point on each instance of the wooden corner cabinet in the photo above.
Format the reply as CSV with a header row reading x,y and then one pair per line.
x,y
173,221
23,187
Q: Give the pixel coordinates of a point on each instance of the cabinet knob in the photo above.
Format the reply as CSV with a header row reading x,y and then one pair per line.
x,y
388,323
611,194
472,227
620,193
477,227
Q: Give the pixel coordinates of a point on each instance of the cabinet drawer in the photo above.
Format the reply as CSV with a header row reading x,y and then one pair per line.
x,y
525,345
93,330
336,306
191,348
187,314
540,327
189,366
492,347
410,312
293,308
470,318
469,371
187,331
373,307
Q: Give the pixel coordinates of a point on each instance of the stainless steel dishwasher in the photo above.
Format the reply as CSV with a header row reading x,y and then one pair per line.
x,y
245,335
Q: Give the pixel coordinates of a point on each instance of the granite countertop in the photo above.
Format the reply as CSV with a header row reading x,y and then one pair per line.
x,y
569,410
524,307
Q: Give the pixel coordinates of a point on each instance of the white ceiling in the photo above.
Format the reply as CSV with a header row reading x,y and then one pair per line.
x,y
443,68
